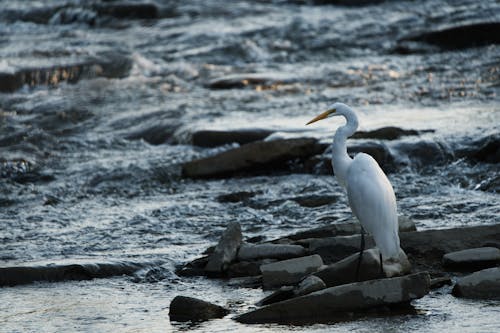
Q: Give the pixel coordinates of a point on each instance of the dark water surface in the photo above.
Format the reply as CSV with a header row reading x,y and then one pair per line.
x,y
90,168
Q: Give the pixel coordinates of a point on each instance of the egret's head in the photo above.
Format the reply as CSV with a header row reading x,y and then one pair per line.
x,y
336,109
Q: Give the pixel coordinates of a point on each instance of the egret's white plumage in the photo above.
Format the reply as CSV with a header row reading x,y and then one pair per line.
x,y
370,193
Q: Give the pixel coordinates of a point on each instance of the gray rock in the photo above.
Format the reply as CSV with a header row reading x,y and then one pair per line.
x,y
461,36
310,284
472,259
271,251
440,281
386,133
226,250
184,308
289,271
336,303
252,158
350,227
245,79
484,284
379,151
213,138
344,271
427,246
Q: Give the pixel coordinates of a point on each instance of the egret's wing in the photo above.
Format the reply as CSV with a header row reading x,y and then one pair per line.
x,y
372,200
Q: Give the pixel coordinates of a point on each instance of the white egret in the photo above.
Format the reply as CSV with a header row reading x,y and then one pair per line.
x,y
371,196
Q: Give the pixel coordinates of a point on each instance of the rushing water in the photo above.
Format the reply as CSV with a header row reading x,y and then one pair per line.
x,y
79,184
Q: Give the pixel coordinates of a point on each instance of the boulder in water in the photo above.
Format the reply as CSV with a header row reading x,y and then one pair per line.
x,y
484,284
184,308
472,259
338,303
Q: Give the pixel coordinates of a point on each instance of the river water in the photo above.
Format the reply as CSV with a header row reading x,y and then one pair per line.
x,y
83,180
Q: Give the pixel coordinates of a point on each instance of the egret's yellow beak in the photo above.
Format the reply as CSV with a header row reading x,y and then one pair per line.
x,y
322,116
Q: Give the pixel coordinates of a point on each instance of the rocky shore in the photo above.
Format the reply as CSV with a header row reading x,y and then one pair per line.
x,y
313,279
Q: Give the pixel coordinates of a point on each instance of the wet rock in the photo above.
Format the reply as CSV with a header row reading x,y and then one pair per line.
x,y
336,303
472,259
349,3
378,151
126,9
484,284
212,138
422,153
289,271
193,268
426,246
108,64
486,150
386,133
490,185
461,36
226,250
344,271
243,80
310,284
236,196
272,251
12,276
74,15
254,157
184,308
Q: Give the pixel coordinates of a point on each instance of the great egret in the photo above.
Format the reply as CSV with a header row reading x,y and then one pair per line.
x,y
370,193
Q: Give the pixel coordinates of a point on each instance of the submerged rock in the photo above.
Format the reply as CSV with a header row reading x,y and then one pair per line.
x,y
272,251
212,138
243,80
472,259
336,303
107,64
226,250
289,271
184,308
344,271
253,157
12,276
461,36
484,284
386,133
126,9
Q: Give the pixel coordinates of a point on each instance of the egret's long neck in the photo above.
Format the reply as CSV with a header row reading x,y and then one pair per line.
x,y
340,158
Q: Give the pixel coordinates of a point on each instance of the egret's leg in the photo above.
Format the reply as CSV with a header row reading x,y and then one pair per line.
x,y
381,266
361,249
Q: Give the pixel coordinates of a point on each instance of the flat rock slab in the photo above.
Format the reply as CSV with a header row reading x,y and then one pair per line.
x,y
289,271
429,245
226,250
484,284
213,138
472,259
335,303
17,275
270,251
253,157
184,308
